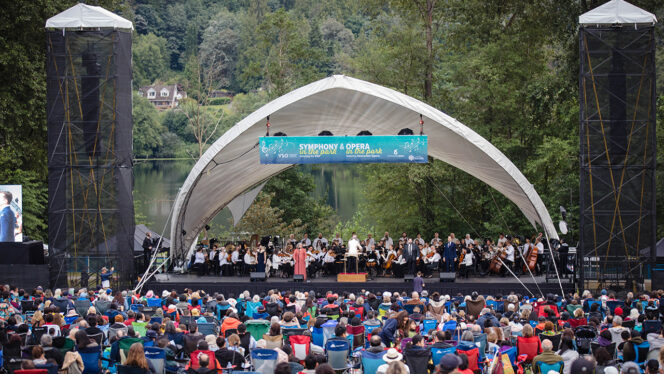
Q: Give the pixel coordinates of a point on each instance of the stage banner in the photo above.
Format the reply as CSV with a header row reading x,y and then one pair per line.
x,y
11,213
343,149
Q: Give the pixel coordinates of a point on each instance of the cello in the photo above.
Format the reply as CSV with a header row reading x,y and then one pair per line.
x,y
497,261
531,259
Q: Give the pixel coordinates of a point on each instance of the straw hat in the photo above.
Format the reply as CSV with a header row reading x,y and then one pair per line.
x,y
392,355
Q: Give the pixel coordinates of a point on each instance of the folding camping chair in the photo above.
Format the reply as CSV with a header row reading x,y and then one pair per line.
x,y
264,360
300,345
371,361
337,354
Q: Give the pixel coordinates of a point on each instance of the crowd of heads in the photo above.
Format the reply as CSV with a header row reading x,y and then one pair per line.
x,y
604,332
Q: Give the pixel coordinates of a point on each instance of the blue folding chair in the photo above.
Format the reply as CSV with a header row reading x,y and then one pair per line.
x,y
371,361
157,357
337,353
264,361
207,328
546,368
369,328
438,353
318,336
154,302
450,325
428,325
409,308
91,357
328,329
481,342
642,352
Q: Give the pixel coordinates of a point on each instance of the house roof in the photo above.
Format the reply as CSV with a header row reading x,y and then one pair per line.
x,y
88,16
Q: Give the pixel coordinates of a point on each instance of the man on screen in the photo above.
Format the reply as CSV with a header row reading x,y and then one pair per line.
x,y
7,217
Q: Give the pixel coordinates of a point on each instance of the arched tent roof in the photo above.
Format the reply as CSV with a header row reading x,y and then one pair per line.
x,y
344,106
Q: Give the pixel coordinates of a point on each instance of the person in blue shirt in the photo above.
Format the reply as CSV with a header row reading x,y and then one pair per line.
x,y
7,217
105,276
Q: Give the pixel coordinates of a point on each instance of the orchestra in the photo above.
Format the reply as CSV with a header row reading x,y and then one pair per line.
x,y
375,257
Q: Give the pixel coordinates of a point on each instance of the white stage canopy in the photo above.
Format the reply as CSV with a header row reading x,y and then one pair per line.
x,y
617,12
344,106
88,16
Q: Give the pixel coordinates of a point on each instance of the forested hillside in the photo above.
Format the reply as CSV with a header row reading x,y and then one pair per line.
x,y
508,69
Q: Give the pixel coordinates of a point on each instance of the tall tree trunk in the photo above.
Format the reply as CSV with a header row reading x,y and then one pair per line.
x,y
428,21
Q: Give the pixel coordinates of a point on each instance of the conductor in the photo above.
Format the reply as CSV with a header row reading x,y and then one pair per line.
x,y
353,252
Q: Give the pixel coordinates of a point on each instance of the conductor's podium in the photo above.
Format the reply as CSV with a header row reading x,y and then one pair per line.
x,y
352,277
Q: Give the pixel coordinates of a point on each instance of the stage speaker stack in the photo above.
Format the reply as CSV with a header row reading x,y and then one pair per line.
x,y
298,278
90,157
257,276
617,99
408,278
447,277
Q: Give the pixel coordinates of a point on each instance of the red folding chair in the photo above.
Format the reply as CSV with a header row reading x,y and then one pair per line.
x,y
473,358
358,335
530,346
300,345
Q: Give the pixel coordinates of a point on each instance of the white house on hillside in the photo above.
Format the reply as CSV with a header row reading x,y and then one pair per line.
x,y
163,96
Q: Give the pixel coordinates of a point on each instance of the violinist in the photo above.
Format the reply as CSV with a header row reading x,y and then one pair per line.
x,y
433,262
199,261
399,264
250,261
436,241
466,262
225,263
328,261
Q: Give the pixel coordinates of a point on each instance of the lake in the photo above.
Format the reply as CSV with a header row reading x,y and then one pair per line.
x,y
156,184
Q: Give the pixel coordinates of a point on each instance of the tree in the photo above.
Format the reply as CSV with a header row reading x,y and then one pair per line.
x,y
147,129
150,59
219,48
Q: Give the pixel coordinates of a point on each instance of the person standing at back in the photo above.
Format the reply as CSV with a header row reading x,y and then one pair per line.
x,y
418,283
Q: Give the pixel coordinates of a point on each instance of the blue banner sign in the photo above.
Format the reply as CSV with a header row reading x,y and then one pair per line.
x,y
343,149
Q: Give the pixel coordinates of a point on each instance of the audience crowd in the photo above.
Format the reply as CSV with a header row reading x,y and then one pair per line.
x,y
94,331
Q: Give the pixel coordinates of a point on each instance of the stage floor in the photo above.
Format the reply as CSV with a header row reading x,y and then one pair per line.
x,y
235,285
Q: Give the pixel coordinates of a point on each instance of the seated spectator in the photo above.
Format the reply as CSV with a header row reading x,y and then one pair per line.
x,y
629,348
568,353
191,340
225,355
616,330
136,359
46,342
83,341
547,356
289,320
392,356
310,364
274,338
449,364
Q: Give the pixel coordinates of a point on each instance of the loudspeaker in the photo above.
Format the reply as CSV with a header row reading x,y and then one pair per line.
x,y
447,277
257,276
657,276
298,278
408,278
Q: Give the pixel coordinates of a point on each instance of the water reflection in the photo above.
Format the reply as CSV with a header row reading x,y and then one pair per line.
x,y
156,184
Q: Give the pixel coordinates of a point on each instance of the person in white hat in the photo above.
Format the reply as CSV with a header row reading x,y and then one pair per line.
x,y
392,355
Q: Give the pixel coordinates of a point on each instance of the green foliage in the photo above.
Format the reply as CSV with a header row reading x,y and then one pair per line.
x,y
147,128
150,59
220,101
292,196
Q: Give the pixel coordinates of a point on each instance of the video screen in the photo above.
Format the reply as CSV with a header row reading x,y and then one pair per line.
x,y
11,213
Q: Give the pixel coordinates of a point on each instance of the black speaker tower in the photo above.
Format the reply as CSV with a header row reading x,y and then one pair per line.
x,y
617,154
90,179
